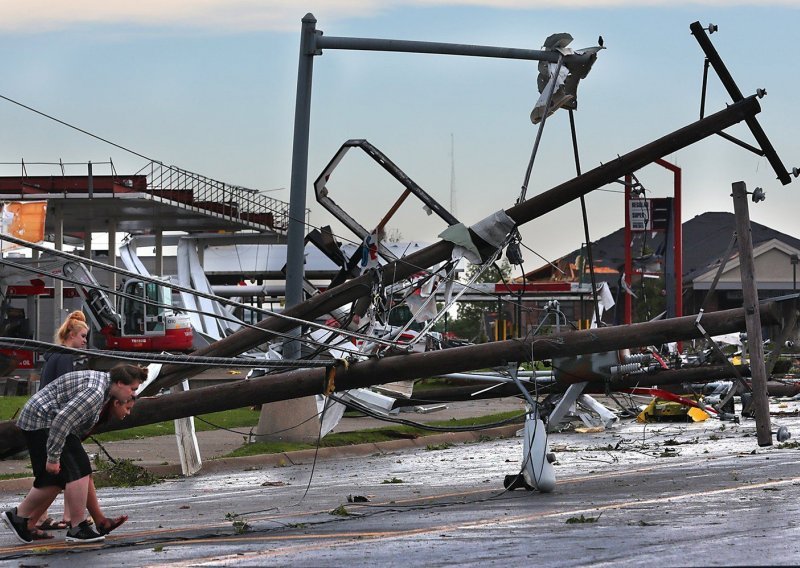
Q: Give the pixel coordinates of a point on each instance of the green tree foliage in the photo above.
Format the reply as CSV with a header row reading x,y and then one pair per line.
x,y
651,299
470,314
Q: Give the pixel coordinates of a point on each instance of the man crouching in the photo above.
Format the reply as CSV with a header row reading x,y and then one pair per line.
x,y
54,421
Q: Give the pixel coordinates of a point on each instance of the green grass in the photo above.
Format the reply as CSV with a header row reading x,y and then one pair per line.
x,y
14,475
10,405
238,418
245,418
367,436
423,385
431,383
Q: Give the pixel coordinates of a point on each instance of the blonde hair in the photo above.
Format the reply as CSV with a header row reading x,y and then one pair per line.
x,y
75,322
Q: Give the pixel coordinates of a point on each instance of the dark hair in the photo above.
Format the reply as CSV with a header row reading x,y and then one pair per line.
x,y
127,374
123,400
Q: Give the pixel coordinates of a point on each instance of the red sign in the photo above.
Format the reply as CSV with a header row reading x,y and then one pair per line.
x,y
23,357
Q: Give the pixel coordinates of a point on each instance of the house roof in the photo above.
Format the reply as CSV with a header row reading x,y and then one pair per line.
x,y
706,237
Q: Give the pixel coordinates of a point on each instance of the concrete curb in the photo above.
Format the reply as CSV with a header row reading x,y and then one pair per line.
x,y
306,456
18,484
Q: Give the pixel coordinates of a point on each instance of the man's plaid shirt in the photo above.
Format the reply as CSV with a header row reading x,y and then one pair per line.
x,y
69,405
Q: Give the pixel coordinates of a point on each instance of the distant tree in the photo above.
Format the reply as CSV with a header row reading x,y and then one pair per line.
x,y
393,236
470,315
651,299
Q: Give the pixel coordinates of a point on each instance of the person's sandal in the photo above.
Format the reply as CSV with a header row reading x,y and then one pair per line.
x,y
50,524
109,525
38,534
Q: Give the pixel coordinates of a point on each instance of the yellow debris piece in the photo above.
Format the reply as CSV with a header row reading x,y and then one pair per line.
x,y
660,410
589,430
698,414
647,413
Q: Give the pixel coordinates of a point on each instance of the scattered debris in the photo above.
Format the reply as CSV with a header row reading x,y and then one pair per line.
x,y
122,473
240,526
442,446
357,499
393,480
512,482
589,430
583,519
660,410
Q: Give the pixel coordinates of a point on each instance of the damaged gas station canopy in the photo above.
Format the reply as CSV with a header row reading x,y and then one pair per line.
x,y
558,82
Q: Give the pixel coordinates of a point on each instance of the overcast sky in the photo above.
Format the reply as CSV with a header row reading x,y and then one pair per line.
x,y
209,86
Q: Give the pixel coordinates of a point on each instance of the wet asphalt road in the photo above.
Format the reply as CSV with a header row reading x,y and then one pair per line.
x,y
668,494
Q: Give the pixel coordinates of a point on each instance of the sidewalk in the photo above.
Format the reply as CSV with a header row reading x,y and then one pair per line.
x,y
159,454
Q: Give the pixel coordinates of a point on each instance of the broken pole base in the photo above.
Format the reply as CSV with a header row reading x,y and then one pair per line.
x,y
292,420
186,438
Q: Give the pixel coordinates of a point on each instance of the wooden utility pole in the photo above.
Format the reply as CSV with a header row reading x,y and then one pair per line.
x,y
755,343
533,208
477,389
306,382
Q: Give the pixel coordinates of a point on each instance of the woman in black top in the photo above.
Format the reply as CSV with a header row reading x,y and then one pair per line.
x,y
72,333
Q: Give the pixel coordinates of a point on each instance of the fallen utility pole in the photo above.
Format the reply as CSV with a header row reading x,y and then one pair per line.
x,y
672,380
478,389
307,382
533,208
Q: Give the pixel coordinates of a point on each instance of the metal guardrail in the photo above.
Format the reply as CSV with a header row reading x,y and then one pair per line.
x,y
234,202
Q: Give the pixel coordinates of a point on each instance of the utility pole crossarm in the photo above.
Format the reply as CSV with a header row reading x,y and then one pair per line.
x,y
736,94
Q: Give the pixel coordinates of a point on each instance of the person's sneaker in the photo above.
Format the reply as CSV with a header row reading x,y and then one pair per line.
x,y
83,533
18,524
